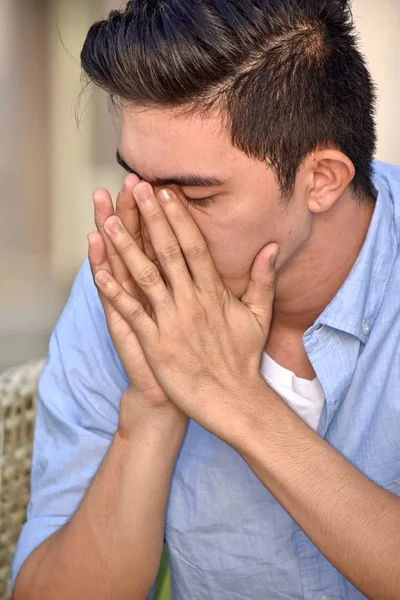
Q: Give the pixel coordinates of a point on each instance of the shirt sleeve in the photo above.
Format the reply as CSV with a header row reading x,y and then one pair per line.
x,y
77,415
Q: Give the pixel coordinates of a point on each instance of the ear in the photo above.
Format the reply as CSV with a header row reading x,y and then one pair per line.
x,y
331,173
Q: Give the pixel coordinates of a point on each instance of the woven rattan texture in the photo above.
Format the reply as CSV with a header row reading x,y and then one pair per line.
x,y
17,415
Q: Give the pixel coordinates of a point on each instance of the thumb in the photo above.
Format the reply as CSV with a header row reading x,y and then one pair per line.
x,y
259,296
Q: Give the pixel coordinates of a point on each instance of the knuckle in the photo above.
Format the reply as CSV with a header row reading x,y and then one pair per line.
x,y
137,236
171,252
116,295
198,313
115,320
198,250
149,276
154,216
134,311
126,244
218,296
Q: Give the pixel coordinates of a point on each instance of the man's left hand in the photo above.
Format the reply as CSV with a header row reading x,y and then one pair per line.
x,y
203,344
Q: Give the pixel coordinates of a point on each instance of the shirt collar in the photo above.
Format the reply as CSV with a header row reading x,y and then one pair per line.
x,y
355,307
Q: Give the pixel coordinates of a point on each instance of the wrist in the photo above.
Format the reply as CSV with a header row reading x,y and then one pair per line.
x,y
242,410
269,431
258,415
138,416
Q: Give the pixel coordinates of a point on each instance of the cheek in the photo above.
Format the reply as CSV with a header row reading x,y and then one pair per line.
x,y
234,242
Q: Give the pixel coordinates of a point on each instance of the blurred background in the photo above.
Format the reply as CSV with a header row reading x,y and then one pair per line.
x,y
49,168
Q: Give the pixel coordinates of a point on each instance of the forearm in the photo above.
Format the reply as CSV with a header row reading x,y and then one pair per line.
x,y
112,545
353,522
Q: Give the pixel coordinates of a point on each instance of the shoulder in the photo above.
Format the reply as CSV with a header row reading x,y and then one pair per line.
x,y
82,319
83,297
387,177
82,361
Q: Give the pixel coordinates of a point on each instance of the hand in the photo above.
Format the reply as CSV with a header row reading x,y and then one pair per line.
x,y
144,389
203,344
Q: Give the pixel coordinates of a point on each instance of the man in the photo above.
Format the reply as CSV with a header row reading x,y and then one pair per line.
x,y
234,387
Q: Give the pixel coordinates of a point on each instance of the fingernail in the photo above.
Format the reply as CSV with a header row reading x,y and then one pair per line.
x,y
101,277
143,191
113,225
164,196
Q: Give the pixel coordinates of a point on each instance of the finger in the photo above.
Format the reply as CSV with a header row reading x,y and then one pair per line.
x,y
192,242
147,246
130,309
260,293
99,262
127,210
164,242
97,254
149,252
129,350
144,272
103,210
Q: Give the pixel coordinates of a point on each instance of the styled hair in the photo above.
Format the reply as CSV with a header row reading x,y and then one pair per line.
x,y
286,75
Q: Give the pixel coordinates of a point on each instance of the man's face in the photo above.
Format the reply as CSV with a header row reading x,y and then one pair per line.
x,y
245,212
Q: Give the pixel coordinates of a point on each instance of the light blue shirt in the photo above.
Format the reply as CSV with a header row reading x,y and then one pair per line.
x,y
227,536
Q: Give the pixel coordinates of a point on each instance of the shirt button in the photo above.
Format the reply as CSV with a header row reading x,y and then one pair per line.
x,y
366,328
325,598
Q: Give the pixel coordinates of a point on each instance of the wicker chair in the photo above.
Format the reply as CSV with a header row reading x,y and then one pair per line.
x,y
17,416
18,396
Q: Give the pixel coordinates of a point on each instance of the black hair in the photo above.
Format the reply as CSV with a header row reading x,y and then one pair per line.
x,y
287,75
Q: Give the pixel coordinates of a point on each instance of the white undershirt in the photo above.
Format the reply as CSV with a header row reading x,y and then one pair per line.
x,y
306,397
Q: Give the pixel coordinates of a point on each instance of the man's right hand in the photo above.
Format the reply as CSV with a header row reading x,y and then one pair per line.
x,y
145,392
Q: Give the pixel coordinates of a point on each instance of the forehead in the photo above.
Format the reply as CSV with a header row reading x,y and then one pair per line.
x,y
156,138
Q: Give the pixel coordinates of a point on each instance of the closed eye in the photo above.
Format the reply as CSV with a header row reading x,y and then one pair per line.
x,y
203,202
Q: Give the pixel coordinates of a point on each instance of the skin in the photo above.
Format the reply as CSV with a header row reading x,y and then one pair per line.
x,y
314,230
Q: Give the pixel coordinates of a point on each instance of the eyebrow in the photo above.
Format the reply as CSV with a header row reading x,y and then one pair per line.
x,y
194,180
